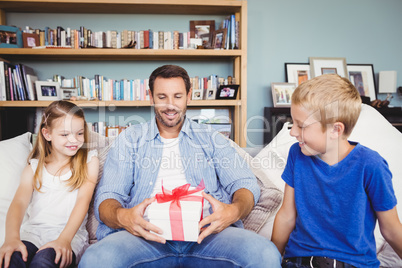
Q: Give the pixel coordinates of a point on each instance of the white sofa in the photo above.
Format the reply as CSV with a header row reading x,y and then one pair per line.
x,y
372,130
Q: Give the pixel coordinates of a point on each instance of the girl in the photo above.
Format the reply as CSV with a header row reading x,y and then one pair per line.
x,y
55,191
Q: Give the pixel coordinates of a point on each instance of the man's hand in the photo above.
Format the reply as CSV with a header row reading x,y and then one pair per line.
x,y
131,219
223,216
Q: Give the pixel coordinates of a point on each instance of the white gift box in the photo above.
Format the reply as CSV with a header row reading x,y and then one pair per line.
x,y
185,229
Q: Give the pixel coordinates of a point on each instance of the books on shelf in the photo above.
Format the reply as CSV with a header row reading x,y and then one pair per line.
x,y
14,83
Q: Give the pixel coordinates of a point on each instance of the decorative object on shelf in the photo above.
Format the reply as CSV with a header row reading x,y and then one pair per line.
x,y
31,79
10,37
211,94
224,128
47,90
202,29
319,66
387,84
197,94
219,39
362,77
282,94
69,93
30,40
297,72
228,92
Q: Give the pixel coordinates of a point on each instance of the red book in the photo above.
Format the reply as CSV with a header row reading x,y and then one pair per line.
x,y
146,39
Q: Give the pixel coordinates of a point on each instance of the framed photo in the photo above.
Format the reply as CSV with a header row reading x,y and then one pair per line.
x,y
31,79
46,90
197,94
282,94
228,92
10,37
210,94
362,77
297,72
219,39
202,29
69,92
320,66
30,39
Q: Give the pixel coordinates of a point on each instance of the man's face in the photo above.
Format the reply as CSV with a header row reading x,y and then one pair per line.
x,y
170,99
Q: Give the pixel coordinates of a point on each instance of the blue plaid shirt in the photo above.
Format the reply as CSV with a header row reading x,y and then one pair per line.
x,y
132,166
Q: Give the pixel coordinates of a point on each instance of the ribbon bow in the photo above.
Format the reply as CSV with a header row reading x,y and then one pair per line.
x,y
181,193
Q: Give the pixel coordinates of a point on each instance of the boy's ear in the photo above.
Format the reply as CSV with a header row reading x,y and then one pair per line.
x,y
337,129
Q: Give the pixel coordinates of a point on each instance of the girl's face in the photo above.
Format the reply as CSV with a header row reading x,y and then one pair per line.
x,y
308,131
66,135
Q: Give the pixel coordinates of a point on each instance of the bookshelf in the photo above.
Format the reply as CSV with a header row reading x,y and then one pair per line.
x,y
237,57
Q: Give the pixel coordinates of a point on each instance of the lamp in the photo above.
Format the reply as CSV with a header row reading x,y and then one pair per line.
x,y
387,83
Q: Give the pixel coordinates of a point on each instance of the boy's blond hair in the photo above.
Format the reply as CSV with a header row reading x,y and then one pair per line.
x,y
332,99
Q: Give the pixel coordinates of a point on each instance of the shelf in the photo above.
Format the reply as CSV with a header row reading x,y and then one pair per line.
x,y
220,7
116,54
194,103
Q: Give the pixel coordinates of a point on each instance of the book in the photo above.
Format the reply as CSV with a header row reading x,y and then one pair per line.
x,y
26,70
4,95
31,79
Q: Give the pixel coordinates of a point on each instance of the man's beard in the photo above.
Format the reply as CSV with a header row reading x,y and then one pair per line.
x,y
159,117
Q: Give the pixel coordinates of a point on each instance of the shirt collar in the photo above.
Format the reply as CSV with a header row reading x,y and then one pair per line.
x,y
153,130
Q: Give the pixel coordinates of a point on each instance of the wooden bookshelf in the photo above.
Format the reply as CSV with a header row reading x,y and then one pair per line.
x,y
186,7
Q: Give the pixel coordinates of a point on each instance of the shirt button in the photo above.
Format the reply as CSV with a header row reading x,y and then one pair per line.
x,y
150,183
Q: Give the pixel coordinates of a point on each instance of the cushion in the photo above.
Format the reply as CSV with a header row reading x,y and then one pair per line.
x,y
13,159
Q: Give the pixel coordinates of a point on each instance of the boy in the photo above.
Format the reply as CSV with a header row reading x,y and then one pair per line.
x,y
335,189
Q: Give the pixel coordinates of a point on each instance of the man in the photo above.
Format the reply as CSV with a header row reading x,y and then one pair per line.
x,y
172,150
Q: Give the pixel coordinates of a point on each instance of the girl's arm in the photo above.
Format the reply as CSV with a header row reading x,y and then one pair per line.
x,y
285,220
15,215
391,229
62,245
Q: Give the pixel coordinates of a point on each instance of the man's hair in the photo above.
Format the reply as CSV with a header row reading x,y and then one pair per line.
x,y
169,71
331,98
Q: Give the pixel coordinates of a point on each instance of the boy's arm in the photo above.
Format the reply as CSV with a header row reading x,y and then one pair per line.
x,y
391,229
285,220
62,245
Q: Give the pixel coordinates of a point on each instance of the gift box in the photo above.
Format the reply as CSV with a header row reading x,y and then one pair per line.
x,y
178,212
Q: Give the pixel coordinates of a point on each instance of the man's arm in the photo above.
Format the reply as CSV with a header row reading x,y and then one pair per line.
x,y
115,216
391,229
285,220
225,214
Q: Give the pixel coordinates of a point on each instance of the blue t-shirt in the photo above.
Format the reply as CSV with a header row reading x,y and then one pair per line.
x,y
336,205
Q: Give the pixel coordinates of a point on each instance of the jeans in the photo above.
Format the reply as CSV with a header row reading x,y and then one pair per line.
x,y
233,247
43,258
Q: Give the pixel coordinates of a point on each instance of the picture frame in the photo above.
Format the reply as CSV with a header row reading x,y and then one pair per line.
x,y
227,92
203,29
210,94
282,94
31,79
30,40
363,78
197,94
297,72
219,39
46,90
10,37
320,66
68,92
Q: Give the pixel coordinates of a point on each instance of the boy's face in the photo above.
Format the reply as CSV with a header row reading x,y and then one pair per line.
x,y
308,131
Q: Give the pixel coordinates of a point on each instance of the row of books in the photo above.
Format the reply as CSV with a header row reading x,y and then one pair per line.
x,y
143,39
16,82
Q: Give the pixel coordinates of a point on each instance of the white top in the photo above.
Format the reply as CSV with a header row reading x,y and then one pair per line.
x,y
50,209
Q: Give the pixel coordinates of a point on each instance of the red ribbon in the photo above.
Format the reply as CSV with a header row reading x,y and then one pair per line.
x,y
181,193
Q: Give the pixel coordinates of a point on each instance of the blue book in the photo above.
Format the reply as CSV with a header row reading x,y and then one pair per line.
x,y
122,90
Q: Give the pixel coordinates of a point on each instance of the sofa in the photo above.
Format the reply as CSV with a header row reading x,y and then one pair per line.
x,y
267,164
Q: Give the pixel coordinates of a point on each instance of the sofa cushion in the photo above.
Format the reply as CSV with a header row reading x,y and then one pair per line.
x,y
13,159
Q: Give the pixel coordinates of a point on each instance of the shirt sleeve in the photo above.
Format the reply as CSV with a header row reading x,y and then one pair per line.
x,y
288,173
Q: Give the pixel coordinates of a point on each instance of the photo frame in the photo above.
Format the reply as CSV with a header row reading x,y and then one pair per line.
x,y
46,90
10,37
363,78
197,94
219,39
203,29
282,94
297,72
320,66
68,92
30,40
227,92
210,94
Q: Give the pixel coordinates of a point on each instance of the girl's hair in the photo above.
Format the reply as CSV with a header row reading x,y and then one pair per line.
x,y
334,97
42,147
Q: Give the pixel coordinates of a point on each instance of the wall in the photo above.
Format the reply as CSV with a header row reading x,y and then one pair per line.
x,y
279,31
